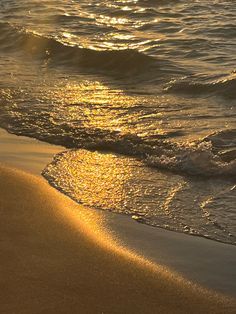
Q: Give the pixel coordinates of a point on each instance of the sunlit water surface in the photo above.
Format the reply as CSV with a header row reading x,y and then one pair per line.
x,y
143,92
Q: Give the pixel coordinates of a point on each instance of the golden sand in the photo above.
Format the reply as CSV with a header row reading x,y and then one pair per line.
x,y
57,257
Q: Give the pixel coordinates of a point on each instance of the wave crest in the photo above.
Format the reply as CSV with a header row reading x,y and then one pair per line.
x,y
124,61
225,86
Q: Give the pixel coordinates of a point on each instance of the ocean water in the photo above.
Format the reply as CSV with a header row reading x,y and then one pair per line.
x,y
142,95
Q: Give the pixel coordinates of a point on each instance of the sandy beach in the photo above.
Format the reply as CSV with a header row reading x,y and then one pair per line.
x,y
59,257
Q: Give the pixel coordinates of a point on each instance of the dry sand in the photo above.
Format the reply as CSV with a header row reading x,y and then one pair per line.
x,y
56,257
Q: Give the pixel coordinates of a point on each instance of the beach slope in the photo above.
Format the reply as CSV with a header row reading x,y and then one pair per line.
x,y
57,257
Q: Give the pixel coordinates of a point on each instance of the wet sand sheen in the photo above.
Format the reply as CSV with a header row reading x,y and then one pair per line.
x,y
58,258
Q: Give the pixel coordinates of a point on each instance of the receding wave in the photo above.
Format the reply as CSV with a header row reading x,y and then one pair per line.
x,y
204,158
124,61
225,86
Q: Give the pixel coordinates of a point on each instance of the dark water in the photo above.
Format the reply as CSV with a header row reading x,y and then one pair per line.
x,y
143,92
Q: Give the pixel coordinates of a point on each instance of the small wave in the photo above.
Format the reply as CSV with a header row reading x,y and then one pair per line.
x,y
223,139
225,86
124,61
214,155
196,160
224,144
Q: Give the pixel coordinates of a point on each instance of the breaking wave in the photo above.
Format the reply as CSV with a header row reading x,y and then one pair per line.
x,y
214,155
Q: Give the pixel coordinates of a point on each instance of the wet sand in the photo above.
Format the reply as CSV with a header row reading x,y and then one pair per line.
x,y
26,153
58,258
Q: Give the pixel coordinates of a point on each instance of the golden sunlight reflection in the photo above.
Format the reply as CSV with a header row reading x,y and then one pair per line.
x,y
95,178
95,105
113,182
98,113
92,104
93,91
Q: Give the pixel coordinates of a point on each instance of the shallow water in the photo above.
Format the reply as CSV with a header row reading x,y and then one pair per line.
x,y
153,81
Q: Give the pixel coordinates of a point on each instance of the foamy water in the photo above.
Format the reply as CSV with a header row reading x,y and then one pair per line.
x,y
151,83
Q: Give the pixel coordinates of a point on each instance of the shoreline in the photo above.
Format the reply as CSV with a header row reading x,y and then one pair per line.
x,y
26,153
205,262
